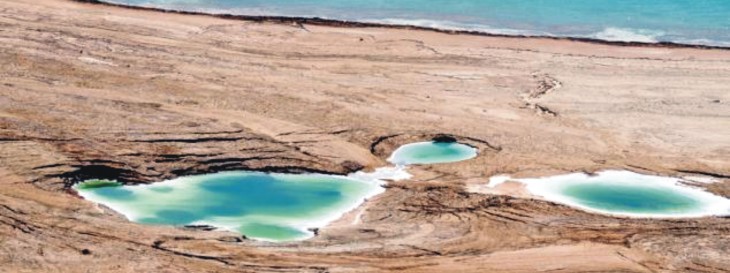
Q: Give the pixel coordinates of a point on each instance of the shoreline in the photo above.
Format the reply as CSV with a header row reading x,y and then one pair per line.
x,y
358,24
174,95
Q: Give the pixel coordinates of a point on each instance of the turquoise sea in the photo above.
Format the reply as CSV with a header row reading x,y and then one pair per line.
x,y
705,22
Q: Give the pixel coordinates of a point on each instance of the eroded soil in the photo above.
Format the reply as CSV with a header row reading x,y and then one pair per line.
x,y
89,91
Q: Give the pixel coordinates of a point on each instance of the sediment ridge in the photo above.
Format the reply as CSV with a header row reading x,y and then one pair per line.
x,y
138,95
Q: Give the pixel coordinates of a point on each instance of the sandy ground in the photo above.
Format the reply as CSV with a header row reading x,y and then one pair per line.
x,y
141,96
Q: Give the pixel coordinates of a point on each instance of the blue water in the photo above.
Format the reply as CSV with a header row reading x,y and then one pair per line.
x,y
682,21
432,153
631,198
630,194
265,206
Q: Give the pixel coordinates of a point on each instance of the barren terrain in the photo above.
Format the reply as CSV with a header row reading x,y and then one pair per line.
x,y
93,91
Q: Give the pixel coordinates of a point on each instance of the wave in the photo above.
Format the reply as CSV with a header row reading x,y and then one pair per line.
x,y
628,35
450,25
607,34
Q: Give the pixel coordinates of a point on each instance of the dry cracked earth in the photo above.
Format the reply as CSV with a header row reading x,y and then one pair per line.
x,y
94,91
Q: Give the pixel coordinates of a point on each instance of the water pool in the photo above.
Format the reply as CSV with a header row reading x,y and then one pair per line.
x,y
264,206
432,152
628,194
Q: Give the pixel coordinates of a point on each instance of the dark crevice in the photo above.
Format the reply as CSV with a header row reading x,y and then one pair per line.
x,y
379,140
218,133
427,251
545,110
486,143
158,245
196,140
444,139
244,159
18,224
87,172
49,166
177,156
711,174
12,209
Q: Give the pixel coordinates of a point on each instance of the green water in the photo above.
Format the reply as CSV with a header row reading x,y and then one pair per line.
x,y
272,207
264,206
432,153
637,199
630,194
93,184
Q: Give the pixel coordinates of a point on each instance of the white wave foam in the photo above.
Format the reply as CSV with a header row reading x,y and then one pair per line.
x,y
627,35
450,25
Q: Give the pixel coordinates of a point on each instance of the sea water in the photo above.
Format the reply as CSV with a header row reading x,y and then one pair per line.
x,y
432,152
682,21
628,194
264,206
